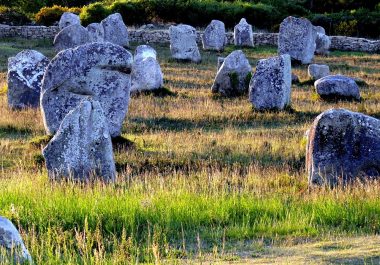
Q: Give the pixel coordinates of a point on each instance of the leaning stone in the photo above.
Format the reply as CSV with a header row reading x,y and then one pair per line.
x,y
343,146
146,71
100,70
270,86
68,19
115,30
233,75
70,37
297,38
214,36
317,71
243,34
95,32
82,147
183,45
11,244
25,72
337,87
322,41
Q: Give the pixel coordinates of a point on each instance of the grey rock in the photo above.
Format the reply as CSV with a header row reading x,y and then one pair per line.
x,y
295,79
220,62
343,146
70,37
270,86
115,30
233,75
298,39
322,41
243,34
183,44
317,71
12,243
68,19
95,32
25,72
82,148
214,36
337,87
100,70
146,71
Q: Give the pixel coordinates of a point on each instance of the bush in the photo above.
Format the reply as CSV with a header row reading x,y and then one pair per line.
x,y
94,13
12,16
132,12
49,15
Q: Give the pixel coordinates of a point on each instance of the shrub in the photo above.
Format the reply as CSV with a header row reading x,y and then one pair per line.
x,y
49,15
347,28
132,12
12,16
94,13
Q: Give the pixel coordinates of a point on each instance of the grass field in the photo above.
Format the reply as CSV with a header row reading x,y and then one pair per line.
x,y
207,180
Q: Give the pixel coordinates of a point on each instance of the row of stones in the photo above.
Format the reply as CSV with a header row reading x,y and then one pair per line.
x,y
162,36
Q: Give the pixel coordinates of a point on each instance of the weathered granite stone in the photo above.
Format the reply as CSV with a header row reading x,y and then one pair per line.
x,y
220,62
337,87
115,30
12,244
297,38
70,37
25,72
343,146
243,34
322,41
82,148
233,75
68,19
214,36
183,45
95,32
270,86
146,71
100,70
317,71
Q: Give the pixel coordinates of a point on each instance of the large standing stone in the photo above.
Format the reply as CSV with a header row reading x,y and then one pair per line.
x,y
337,87
146,71
343,146
243,34
12,243
270,86
82,146
233,75
70,37
25,72
214,36
115,30
100,70
317,71
68,19
95,32
322,41
183,44
297,38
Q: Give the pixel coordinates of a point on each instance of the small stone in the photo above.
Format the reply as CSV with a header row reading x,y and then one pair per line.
x,y
317,71
183,45
322,41
270,86
70,37
214,36
295,79
68,19
337,87
243,34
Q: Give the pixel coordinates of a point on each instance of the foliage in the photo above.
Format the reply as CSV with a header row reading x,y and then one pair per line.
x,y
49,15
94,13
12,16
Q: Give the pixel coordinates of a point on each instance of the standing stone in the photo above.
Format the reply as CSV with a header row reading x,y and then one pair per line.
x,y
95,32
25,72
100,70
82,146
343,146
317,71
70,37
322,41
337,87
243,34
220,62
214,36
297,38
12,243
270,86
146,71
233,75
115,30
183,44
68,19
